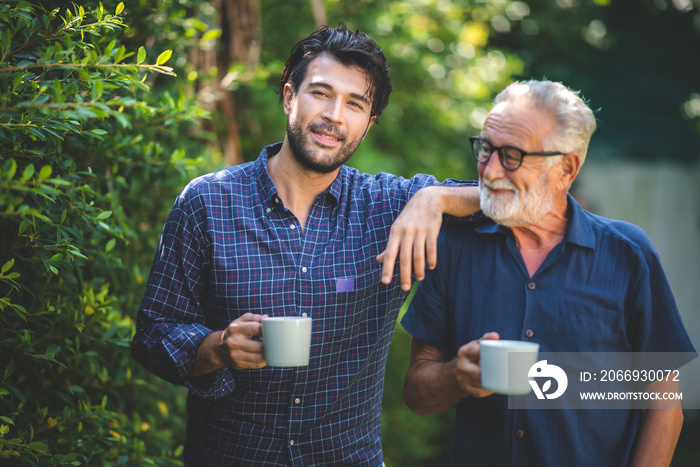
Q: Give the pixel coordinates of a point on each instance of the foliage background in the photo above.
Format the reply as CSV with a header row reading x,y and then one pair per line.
x,y
91,158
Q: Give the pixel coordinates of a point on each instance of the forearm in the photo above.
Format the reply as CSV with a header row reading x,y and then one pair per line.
x,y
658,437
659,431
431,387
457,201
207,359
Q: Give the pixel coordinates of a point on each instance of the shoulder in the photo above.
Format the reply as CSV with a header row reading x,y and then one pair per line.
x,y
467,241
384,182
221,180
620,233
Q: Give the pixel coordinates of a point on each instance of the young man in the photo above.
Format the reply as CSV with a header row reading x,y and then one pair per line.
x,y
542,270
294,233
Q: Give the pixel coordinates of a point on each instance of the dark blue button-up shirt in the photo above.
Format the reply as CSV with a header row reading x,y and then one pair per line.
x,y
602,289
230,247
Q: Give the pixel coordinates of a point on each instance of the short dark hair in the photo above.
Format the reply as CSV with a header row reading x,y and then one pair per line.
x,y
351,48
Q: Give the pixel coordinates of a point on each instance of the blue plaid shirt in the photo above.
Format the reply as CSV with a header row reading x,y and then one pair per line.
x,y
229,247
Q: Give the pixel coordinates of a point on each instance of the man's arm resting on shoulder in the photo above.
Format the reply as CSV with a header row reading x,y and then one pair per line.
x,y
434,385
413,236
660,429
232,347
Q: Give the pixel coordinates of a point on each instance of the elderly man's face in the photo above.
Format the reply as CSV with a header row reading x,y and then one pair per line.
x,y
524,196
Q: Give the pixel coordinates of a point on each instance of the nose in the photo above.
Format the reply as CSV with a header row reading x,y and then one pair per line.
x,y
333,111
492,169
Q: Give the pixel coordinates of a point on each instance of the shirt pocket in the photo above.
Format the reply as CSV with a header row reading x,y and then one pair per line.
x,y
351,303
587,328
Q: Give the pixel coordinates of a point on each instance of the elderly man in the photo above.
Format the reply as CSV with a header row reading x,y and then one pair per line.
x,y
545,270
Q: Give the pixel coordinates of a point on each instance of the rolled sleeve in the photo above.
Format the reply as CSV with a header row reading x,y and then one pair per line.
x,y
170,322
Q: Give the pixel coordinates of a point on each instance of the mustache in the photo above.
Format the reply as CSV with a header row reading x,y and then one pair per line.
x,y
328,128
499,185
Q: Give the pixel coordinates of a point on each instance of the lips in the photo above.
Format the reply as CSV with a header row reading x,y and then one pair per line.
x,y
327,135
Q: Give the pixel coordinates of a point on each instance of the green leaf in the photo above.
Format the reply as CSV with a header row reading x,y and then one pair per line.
x,y
164,57
10,168
211,34
7,266
110,245
103,215
9,369
141,56
28,172
120,8
120,54
45,172
37,446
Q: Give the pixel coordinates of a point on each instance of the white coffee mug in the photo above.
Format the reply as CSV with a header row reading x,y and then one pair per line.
x,y
505,364
287,340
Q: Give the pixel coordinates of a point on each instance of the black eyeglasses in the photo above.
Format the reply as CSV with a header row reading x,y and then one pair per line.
x,y
510,157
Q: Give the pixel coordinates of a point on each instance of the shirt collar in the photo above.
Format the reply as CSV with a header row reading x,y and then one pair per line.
x,y
267,189
580,231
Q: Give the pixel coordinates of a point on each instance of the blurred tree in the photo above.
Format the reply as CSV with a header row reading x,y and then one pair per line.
x,y
637,61
88,159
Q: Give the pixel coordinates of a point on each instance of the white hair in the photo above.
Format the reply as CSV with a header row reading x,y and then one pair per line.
x,y
573,119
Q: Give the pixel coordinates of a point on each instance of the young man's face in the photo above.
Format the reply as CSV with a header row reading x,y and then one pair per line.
x,y
329,116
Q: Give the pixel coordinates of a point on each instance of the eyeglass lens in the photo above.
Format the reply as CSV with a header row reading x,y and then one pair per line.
x,y
510,157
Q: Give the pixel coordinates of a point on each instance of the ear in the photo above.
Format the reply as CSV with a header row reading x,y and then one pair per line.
x,y
288,97
570,166
369,125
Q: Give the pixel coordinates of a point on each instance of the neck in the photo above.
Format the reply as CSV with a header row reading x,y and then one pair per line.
x,y
536,241
296,186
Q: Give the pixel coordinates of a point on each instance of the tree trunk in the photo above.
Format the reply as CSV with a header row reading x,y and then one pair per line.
x,y
319,12
240,24
240,43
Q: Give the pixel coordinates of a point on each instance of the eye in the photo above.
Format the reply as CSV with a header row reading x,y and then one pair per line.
x,y
511,156
357,105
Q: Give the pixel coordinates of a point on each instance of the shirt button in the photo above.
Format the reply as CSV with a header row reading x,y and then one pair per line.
x,y
277,200
268,210
529,333
520,434
291,442
292,227
297,401
304,269
531,285
304,315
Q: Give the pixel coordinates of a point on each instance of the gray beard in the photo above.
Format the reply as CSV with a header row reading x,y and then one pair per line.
x,y
517,212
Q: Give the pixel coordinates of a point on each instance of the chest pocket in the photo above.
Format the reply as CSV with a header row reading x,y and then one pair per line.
x,y
345,302
585,328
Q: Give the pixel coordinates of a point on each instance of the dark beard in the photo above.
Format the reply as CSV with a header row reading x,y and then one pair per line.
x,y
302,153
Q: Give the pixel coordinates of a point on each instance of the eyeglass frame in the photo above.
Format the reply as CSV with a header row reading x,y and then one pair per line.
x,y
501,157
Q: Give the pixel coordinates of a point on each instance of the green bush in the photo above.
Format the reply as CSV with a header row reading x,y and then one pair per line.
x,y
90,162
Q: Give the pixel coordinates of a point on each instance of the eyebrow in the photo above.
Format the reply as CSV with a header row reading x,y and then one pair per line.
x,y
354,95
